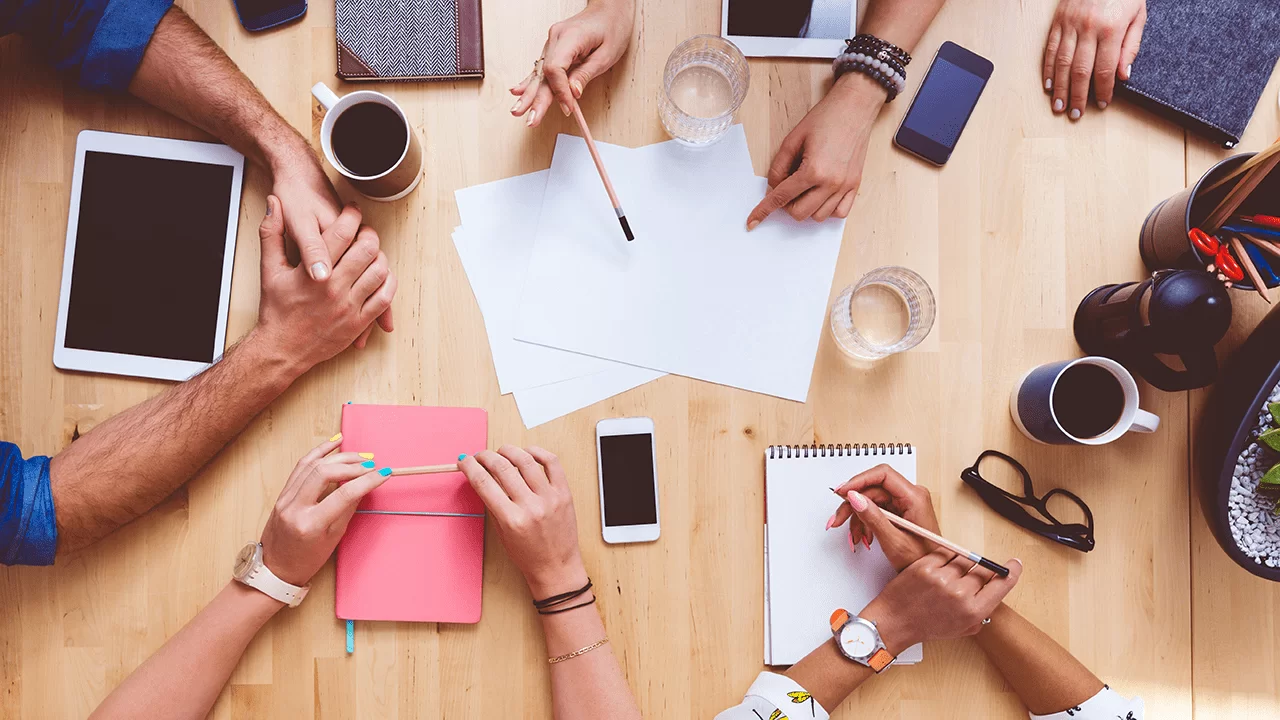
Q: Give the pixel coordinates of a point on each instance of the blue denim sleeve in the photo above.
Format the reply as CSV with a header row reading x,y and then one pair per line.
x,y
101,41
28,533
116,49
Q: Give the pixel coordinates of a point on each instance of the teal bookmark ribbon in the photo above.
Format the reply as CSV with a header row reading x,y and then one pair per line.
x,y
351,636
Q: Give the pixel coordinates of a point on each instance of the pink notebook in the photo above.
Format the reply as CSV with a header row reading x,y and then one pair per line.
x,y
415,549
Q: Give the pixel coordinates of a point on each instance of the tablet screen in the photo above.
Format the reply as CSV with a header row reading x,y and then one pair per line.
x,y
149,251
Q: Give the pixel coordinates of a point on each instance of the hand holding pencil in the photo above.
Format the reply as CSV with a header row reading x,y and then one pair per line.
x,y
884,487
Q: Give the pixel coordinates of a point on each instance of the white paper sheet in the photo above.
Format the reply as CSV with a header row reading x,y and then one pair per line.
x,y
548,402
694,294
495,243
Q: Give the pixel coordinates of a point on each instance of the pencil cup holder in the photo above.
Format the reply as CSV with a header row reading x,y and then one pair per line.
x,y
1164,242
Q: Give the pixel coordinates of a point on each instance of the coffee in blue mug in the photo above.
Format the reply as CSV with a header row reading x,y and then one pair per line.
x,y
1087,401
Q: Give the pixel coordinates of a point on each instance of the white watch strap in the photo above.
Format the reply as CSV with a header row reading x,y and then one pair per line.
x,y
262,579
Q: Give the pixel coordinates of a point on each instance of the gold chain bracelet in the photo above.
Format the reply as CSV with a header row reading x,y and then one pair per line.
x,y
576,653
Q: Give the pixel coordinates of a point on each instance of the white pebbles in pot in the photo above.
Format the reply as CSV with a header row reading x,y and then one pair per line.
x,y
1254,524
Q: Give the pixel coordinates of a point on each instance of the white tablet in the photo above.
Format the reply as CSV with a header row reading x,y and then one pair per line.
x,y
789,28
151,236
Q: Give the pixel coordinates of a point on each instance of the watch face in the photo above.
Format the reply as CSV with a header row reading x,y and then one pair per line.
x,y
857,640
244,561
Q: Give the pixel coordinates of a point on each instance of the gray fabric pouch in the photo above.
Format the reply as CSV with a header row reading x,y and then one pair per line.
x,y
1204,63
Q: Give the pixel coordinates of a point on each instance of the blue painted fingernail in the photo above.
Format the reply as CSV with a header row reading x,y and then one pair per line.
x,y
369,464
462,457
384,472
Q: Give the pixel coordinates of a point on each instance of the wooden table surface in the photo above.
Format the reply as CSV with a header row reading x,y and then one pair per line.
x,y
1031,213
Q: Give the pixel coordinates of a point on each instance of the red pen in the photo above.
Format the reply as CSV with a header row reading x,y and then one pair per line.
x,y
1267,221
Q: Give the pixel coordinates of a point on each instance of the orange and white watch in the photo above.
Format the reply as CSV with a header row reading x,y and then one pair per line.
x,y
859,640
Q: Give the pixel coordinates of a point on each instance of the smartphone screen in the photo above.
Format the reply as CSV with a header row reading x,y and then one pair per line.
x,y
943,103
626,480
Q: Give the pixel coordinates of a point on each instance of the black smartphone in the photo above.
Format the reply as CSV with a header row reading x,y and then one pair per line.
x,y
258,15
943,103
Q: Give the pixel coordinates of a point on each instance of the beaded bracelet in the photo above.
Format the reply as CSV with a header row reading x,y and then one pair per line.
x,y
878,59
864,42
888,76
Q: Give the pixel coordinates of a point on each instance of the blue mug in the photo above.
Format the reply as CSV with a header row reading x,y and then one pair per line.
x,y
1093,407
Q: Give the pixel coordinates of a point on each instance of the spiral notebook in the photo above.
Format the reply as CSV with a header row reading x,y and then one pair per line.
x,y
808,571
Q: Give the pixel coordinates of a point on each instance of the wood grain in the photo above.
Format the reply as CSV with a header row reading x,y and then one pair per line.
x,y
1031,213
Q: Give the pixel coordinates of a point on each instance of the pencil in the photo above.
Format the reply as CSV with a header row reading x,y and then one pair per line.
x,y
425,469
1249,268
604,174
940,541
1263,244
1249,182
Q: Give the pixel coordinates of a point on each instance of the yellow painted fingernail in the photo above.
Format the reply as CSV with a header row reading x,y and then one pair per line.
x,y
336,438
366,456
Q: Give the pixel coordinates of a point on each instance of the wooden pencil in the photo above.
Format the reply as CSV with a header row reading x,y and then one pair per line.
x,y
604,174
1244,167
1250,268
425,469
1238,194
1264,245
940,541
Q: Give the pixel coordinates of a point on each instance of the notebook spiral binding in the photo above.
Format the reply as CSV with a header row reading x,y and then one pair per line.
x,y
776,452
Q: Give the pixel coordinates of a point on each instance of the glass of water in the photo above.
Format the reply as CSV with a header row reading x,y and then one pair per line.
x,y
891,309
703,85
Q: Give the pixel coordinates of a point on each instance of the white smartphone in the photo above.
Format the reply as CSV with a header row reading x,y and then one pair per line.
x,y
625,460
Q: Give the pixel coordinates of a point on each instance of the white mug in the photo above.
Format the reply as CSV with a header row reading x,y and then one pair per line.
x,y
393,183
1032,405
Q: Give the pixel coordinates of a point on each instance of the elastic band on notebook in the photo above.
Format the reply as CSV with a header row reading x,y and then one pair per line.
x,y
351,636
406,512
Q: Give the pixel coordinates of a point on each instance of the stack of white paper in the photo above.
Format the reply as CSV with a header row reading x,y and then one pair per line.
x,y
576,314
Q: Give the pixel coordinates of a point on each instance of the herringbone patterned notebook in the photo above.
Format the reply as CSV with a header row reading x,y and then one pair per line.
x,y
409,39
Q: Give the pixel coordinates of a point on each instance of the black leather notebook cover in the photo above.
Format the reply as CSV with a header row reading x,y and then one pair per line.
x,y
1204,63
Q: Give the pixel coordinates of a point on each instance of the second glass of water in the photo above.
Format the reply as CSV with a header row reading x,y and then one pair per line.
x,y
703,85
891,309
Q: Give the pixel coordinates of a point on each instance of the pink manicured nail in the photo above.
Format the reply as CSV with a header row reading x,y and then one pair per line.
x,y
852,547
867,541
831,521
857,500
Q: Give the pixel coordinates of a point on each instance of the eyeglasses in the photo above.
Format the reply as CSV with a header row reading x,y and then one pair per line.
x,y
1014,507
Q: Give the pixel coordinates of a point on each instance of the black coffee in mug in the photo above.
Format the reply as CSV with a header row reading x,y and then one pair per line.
x,y
1088,400
369,138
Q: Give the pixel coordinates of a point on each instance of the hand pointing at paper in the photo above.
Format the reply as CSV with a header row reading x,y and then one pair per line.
x,y
818,168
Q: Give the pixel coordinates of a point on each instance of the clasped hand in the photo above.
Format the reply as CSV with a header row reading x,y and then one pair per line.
x,y
307,321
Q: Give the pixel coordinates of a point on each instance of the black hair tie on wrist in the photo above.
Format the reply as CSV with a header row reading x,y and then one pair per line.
x,y
563,598
592,601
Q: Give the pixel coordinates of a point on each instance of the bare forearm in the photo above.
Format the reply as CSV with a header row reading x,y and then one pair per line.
x,y
131,462
591,685
1045,676
901,22
184,677
186,74
828,676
